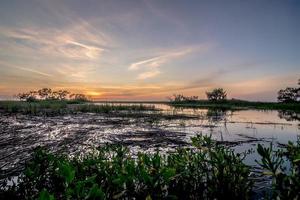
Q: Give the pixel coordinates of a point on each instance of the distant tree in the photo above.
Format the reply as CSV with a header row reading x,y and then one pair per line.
x,y
62,94
45,93
54,96
28,96
23,96
191,98
49,94
79,97
216,94
288,95
180,98
32,96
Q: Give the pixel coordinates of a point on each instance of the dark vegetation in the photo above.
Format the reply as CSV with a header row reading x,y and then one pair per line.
x,y
50,95
181,98
285,182
289,95
288,99
54,107
235,104
206,171
218,94
48,103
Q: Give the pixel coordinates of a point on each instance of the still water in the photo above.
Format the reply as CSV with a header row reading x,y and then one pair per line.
x,y
81,133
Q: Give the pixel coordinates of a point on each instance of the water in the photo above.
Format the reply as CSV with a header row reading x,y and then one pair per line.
x,y
81,133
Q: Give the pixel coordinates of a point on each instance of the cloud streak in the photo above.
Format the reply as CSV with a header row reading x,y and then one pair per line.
x,y
26,69
71,43
34,71
160,60
152,65
149,74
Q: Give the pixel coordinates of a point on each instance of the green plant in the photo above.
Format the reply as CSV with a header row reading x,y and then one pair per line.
x,y
206,171
286,182
60,107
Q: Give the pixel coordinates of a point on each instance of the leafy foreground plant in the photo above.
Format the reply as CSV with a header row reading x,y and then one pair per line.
x,y
285,182
208,171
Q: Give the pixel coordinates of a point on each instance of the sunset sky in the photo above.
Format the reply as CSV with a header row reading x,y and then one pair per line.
x,y
151,49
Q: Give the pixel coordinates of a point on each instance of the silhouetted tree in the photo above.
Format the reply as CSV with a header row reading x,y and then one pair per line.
x,y
79,97
180,98
216,94
23,96
62,94
28,96
49,94
288,95
45,93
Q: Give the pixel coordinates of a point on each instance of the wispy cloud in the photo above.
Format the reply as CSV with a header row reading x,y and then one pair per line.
x,y
160,60
33,71
152,65
27,69
152,62
74,72
70,43
148,74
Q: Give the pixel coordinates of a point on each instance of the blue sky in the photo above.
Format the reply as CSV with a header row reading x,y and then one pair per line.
x,y
148,50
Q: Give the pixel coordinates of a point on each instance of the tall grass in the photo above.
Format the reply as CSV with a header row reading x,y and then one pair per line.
x,y
60,107
34,108
238,104
109,108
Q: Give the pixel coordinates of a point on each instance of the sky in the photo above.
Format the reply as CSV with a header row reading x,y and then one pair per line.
x,y
151,49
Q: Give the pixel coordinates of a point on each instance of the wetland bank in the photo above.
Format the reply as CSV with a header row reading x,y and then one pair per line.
x,y
78,130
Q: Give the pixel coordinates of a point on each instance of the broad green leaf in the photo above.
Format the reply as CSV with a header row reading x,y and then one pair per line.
x,y
45,195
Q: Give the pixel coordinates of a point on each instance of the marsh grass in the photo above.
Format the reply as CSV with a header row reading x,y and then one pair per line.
x,y
34,108
238,105
60,107
109,108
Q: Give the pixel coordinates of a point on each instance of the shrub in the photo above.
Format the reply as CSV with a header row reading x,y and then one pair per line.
x,y
286,182
180,98
49,94
216,94
288,95
207,171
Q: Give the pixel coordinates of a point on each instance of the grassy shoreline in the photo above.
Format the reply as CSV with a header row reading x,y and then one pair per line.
x,y
237,105
71,106
54,107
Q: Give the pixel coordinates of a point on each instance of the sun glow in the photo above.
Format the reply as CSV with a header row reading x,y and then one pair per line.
x,y
93,93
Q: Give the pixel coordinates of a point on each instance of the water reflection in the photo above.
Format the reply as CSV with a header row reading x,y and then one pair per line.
x,y
289,115
81,133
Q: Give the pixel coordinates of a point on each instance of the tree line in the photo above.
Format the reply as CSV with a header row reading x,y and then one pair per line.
x,y
217,94
49,94
287,95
